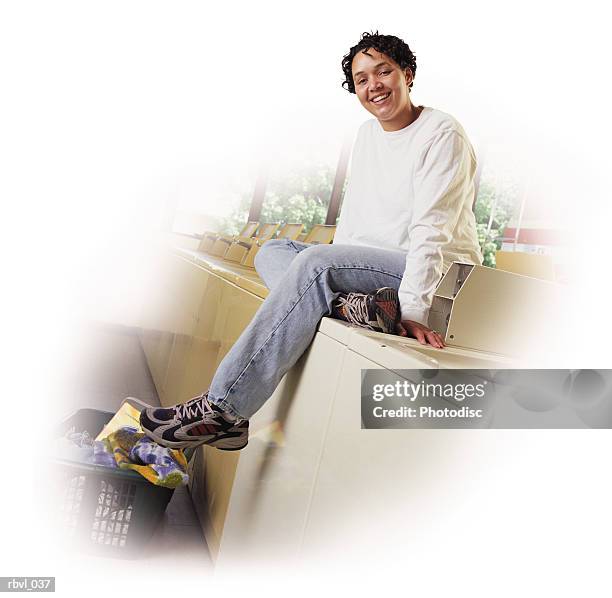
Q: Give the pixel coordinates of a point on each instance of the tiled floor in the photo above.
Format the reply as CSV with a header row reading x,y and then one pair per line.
x,y
106,366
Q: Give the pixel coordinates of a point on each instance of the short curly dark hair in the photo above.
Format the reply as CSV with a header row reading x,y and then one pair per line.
x,y
392,46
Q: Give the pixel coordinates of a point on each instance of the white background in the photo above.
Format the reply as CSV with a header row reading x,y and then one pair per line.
x,y
108,108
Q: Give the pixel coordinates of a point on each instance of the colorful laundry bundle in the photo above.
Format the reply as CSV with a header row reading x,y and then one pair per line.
x,y
162,466
127,416
122,444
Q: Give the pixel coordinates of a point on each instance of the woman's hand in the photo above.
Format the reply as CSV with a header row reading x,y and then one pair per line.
x,y
423,334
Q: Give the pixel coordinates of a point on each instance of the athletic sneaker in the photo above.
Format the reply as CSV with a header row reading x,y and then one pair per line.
x,y
196,422
379,311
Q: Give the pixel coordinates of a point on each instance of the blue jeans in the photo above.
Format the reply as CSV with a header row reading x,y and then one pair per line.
x,y
304,281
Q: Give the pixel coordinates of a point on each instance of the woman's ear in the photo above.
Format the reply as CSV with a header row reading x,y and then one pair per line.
x,y
409,76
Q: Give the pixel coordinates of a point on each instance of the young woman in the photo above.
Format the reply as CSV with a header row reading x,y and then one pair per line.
x,y
406,216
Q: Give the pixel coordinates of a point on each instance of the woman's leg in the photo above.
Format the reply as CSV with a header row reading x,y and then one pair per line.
x,y
273,259
304,285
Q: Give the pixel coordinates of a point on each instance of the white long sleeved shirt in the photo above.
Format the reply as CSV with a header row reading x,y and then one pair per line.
x,y
412,191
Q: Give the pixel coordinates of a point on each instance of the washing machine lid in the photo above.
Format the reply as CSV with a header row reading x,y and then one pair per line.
x,y
397,353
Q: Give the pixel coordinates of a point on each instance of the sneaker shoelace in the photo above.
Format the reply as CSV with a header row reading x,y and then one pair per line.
x,y
355,308
197,408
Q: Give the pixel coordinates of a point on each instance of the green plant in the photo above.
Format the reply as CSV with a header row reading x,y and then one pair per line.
x,y
494,208
295,196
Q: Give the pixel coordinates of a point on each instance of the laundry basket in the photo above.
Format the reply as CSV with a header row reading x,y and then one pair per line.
x,y
106,511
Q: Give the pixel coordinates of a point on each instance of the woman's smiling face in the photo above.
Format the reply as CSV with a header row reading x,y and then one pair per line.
x,y
382,86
